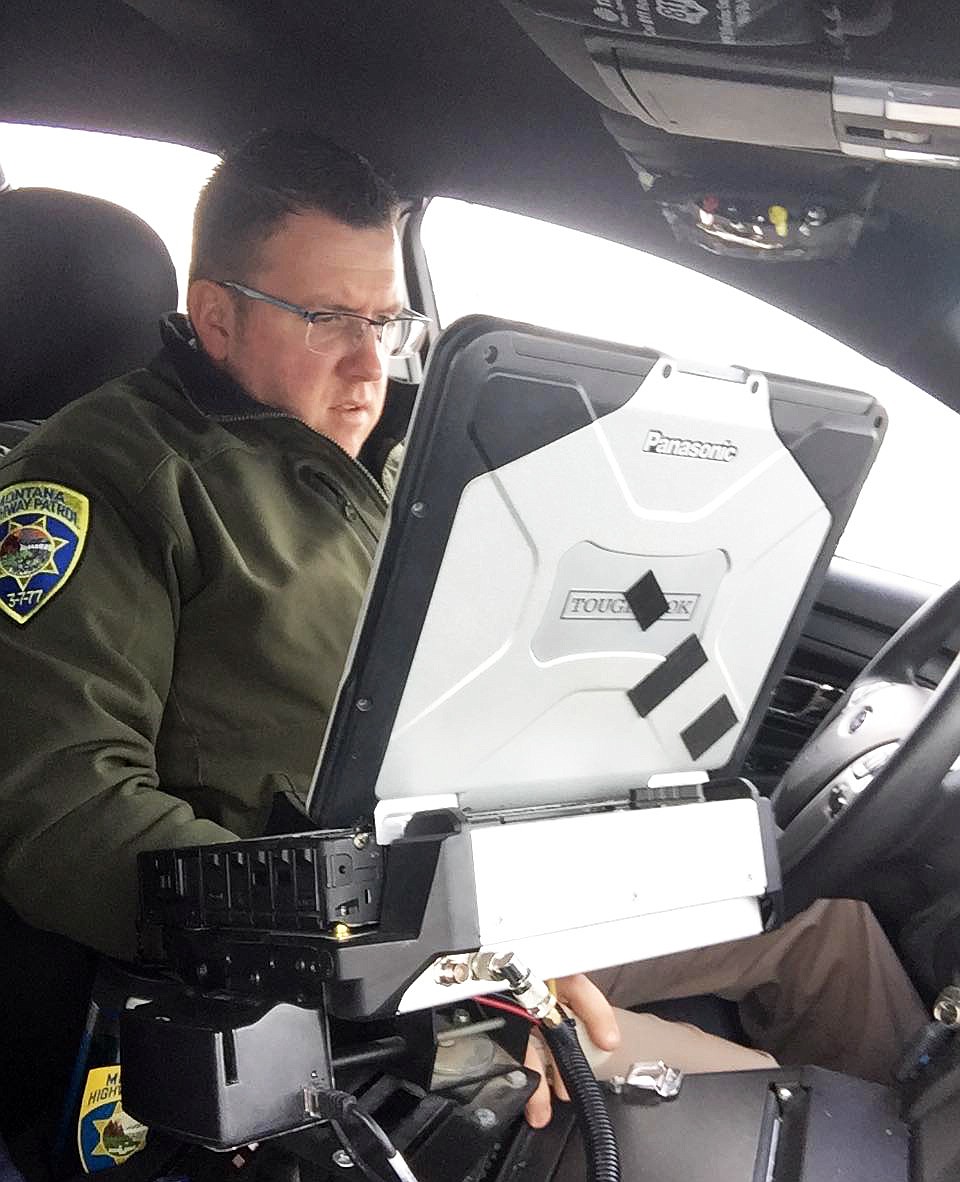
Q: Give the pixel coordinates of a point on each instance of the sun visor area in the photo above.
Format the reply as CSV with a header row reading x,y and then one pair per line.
x,y
695,68
689,85
766,156
709,22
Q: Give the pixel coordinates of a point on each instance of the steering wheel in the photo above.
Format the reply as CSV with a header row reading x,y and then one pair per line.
x,y
874,766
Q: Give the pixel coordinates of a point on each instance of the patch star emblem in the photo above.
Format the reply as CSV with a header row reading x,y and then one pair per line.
x,y
119,1134
106,1135
43,528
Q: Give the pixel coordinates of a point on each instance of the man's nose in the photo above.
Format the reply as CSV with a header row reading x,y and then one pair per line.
x,y
366,361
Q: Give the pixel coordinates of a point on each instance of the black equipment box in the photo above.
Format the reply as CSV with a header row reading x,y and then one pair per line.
x,y
303,883
213,1058
783,1125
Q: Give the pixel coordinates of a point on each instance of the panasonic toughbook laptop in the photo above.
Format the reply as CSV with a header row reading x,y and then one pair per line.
x,y
597,562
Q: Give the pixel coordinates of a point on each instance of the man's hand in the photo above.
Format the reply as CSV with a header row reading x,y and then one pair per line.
x,y
578,994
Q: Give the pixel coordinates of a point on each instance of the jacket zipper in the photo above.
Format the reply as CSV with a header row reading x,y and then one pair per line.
x,y
371,481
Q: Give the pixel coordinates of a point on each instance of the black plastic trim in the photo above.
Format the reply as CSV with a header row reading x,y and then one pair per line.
x,y
845,411
771,905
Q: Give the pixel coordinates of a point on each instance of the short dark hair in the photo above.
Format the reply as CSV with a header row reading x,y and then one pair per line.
x,y
270,175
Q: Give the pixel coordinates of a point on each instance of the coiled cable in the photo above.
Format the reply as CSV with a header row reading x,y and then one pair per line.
x,y
599,1139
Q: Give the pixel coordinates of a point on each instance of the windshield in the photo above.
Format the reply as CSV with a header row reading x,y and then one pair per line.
x,y
486,260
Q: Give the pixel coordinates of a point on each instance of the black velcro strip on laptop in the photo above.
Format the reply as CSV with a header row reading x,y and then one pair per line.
x,y
711,726
646,600
668,676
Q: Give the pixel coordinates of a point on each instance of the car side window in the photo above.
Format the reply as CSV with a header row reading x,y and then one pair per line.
x,y
157,181
487,260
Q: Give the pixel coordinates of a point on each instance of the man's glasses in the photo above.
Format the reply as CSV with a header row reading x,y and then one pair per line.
x,y
335,332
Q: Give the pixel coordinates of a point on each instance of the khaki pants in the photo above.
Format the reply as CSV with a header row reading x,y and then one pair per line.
x,y
826,988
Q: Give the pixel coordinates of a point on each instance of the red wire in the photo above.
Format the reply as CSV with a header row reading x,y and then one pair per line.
x,y
496,1004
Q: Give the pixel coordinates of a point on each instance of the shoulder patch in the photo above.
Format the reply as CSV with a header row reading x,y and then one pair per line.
x,y
106,1135
43,528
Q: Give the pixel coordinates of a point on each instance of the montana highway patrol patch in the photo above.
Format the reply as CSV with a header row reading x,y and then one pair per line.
x,y
43,528
106,1135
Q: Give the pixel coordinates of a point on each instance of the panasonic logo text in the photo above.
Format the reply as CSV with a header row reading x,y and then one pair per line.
x,y
690,449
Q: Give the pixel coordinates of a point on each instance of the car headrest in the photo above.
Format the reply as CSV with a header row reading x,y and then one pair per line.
x,y
83,284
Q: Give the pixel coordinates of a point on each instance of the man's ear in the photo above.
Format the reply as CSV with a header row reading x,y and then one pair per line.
x,y
213,315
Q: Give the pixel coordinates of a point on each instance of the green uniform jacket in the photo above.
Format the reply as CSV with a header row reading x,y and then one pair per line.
x,y
184,671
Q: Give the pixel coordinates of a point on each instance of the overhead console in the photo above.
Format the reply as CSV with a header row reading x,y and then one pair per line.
x,y
727,22
773,74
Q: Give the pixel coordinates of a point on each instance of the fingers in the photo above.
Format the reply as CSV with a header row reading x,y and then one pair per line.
x,y
539,1108
583,997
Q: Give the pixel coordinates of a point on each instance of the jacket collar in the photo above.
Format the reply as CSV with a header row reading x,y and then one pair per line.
x,y
208,388
216,395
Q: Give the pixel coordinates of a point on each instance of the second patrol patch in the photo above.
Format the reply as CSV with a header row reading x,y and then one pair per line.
x,y
43,528
106,1135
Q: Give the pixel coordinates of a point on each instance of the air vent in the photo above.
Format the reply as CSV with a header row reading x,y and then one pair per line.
x,y
798,707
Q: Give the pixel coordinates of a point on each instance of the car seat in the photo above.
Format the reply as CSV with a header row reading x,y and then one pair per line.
x,y
83,284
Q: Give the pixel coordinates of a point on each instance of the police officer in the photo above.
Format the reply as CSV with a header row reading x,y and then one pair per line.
x,y
183,554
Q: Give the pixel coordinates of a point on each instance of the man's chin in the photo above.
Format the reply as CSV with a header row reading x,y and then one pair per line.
x,y
349,427
350,435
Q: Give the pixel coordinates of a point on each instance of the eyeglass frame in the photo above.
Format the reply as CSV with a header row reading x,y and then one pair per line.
x,y
378,324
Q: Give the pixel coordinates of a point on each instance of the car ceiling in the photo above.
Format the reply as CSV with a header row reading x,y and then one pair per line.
x,y
454,98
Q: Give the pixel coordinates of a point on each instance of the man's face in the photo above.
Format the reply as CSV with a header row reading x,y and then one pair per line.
x,y
316,261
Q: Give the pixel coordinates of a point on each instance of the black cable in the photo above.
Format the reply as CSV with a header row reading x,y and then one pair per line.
x,y
334,1106
386,1144
354,1153
599,1139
